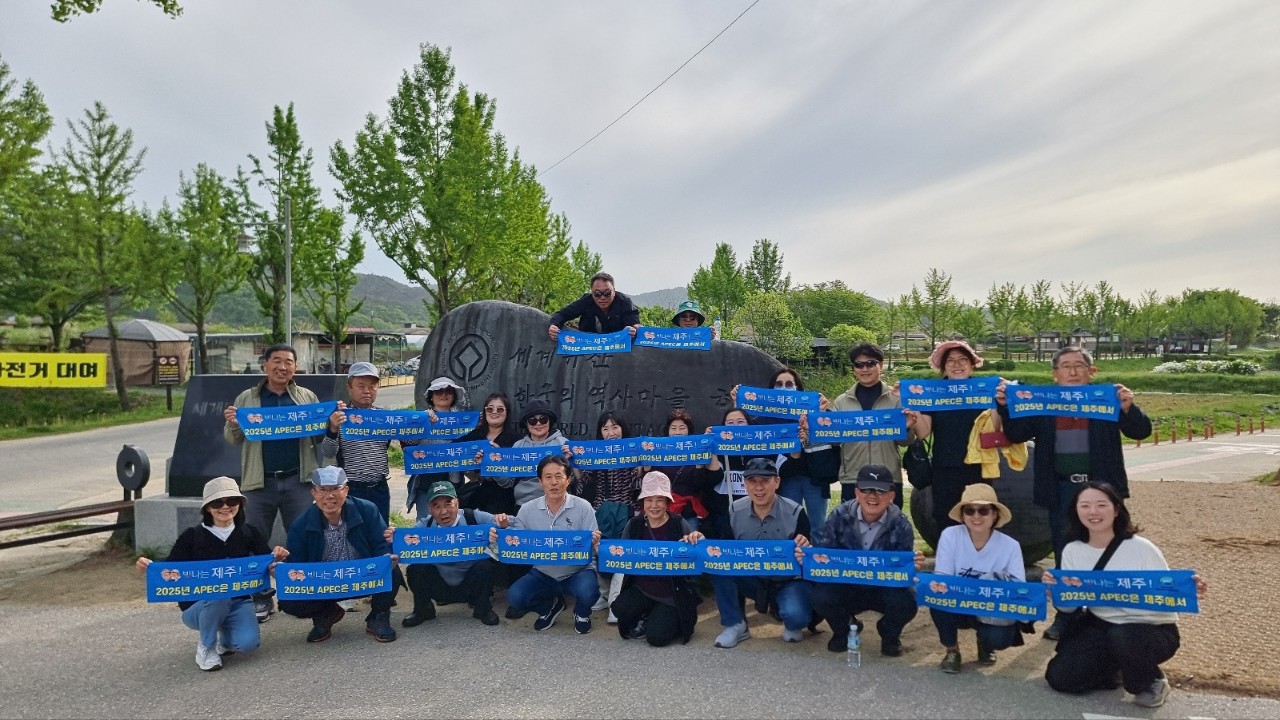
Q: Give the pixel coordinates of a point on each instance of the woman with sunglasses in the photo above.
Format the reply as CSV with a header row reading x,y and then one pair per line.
x,y
481,493
225,625
974,548
538,423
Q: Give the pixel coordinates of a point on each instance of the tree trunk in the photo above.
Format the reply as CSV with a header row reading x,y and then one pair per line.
x,y
202,344
117,371
56,330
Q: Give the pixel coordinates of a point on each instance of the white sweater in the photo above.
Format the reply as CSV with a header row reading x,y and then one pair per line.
x,y
999,559
1136,553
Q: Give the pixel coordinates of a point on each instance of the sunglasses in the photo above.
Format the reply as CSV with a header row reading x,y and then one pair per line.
x,y
874,491
864,364
538,420
983,510
494,409
788,385
225,502
601,293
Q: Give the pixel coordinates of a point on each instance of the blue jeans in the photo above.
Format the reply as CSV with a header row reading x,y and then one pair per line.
x,y
792,597
992,637
801,490
537,591
377,493
1058,514
233,616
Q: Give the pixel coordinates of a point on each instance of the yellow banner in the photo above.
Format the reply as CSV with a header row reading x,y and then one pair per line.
x,y
61,370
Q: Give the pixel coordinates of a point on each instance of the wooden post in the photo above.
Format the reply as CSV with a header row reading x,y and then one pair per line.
x,y
1188,429
1173,430
1237,425
1250,426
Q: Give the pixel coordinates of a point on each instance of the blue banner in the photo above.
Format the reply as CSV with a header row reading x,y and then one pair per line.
x,y
786,404
515,462
1158,590
384,424
846,426
888,568
283,423
755,439
674,338
451,425
939,395
544,547
445,457
1095,402
677,450
574,342
776,558
605,454
1010,600
440,544
333,580
648,557
206,579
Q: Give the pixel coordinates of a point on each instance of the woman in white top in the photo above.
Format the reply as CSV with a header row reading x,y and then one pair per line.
x,y
975,549
1104,647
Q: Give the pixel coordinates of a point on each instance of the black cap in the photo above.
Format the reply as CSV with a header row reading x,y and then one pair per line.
x,y
538,407
875,477
760,467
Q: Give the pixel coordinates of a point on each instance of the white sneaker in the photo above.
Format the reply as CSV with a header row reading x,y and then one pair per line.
x,y
1154,696
207,658
601,604
348,605
613,619
221,649
732,635
793,636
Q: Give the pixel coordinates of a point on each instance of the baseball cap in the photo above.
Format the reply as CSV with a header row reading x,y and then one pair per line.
x,y
760,467
441,488
329,476
874,477
362,369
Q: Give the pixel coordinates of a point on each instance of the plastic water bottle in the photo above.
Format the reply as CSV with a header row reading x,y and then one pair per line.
x,y
715,329
855,647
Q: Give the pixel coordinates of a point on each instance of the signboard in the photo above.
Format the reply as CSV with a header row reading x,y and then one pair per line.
x,y
168,370
54,370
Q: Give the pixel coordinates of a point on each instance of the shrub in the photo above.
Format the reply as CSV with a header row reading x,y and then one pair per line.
x,y
1222,367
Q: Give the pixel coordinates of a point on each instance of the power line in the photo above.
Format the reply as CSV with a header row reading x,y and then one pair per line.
x,y
655,89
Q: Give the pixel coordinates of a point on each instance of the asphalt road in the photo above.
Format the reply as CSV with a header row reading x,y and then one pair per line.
x,y
139,663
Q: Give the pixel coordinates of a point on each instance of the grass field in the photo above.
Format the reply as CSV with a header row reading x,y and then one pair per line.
x,y
45,411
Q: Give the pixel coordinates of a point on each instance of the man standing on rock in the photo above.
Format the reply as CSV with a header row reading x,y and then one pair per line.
x,y
1071,451
601,311
273,473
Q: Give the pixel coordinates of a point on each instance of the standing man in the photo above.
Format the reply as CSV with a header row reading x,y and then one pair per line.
x,y
1070,451
870,393
338,528
603,310
365,461
273,473
870,521
469,581
762,515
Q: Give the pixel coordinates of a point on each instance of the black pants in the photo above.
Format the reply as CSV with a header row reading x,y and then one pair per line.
x,y
839,603
476,587
381,602
1091,651
661,621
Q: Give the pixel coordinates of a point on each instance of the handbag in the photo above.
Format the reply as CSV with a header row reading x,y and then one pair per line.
x,y
997,439
915,460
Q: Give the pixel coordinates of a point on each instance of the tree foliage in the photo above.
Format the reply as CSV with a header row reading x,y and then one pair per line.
x,y
767,320
327,268
935,309
823,305
971,323
764,269
720,288
843,338
1042,308
64,10
1007,306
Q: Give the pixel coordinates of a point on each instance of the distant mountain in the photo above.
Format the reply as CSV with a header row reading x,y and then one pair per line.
x,y
669,298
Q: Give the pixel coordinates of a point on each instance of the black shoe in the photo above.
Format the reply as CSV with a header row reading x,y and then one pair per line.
x,y
514,614
838,643
488,617
322,627
986,656
379,626
637,632
1054,631
891,648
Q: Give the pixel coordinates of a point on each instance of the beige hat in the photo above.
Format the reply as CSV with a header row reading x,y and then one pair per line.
x,y
981,494
218,488
655,484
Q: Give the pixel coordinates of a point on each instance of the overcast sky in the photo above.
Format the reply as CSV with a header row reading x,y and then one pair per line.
x,y
1136,142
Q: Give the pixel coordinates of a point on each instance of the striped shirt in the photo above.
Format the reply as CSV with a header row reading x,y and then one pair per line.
x,y
365,461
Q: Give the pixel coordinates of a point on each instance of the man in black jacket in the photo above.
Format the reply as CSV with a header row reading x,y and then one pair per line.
x,y
1070,451
601,311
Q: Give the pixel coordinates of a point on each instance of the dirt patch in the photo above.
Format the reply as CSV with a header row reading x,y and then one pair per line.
x,y
1225,531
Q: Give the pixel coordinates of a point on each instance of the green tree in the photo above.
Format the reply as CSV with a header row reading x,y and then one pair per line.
x,y
327,267
655,316
196,244
1209,312
766,318
1098,309
1007,306
1042,308
1150,319
721,288
103,166
972,323
65,10
436,187
935,310
842,338
826,304
764,269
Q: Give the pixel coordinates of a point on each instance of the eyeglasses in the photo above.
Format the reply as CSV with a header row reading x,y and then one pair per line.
x,y
494,409
983,510
225,502
601,293
873,491
1074,367
864,364
328,489
788,385
538,420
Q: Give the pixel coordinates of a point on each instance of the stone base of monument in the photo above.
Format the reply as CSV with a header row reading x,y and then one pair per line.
x,y
1030,523
159,520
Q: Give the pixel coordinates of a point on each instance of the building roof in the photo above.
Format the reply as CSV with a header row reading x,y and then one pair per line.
x,y
142,330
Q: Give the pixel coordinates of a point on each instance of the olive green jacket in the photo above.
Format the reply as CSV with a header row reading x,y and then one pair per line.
x,y
251,474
